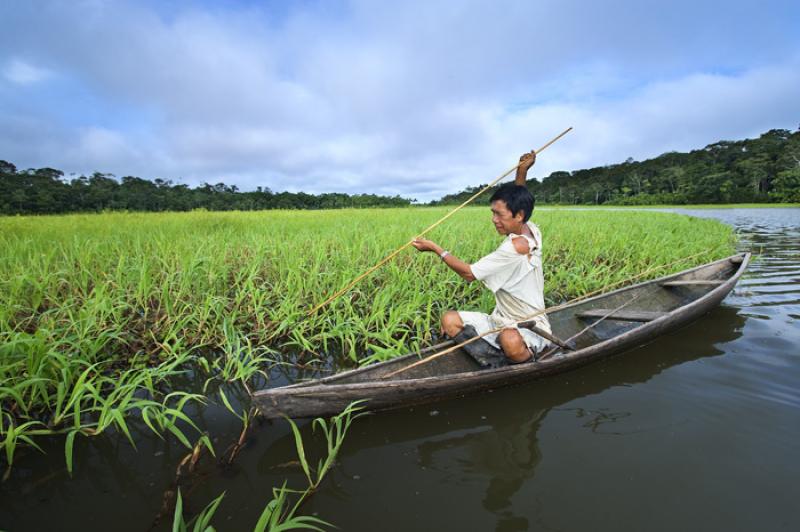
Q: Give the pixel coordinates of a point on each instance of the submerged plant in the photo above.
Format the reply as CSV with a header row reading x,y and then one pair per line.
x,y
199,523
334,432
281,513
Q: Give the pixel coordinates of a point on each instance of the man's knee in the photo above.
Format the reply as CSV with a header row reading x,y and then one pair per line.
x,y
514,347
451,323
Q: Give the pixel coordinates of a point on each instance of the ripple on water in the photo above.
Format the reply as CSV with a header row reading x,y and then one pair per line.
x,y
782,272
780,300
782,281
776,343
776,290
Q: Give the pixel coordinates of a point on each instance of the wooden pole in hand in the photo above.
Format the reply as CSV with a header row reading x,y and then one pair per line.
x,y
431,227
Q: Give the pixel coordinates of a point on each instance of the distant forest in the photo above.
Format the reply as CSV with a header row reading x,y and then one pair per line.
x,y
766,169
47,191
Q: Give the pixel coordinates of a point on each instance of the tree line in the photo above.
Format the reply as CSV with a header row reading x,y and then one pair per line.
x,y
766,169
47,191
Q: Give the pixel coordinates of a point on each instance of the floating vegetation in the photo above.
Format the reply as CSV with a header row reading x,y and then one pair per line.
x,y
281,513
102,315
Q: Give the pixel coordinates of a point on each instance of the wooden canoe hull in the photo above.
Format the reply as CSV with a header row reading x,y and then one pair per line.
x,y
456,374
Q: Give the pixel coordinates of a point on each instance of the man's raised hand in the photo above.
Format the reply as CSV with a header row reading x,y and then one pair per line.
x,y
525,162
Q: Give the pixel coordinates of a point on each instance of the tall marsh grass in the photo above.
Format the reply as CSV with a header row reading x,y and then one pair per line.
x,y
98,313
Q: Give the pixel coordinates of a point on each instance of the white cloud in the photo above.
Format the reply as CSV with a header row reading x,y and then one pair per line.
x,y
420,99
96,143
23,73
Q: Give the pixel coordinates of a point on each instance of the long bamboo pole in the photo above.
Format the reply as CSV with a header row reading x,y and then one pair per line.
x,y
429,228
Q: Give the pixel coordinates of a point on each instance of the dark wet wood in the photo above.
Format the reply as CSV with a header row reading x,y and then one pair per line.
x,y
624,315
456,374
546,335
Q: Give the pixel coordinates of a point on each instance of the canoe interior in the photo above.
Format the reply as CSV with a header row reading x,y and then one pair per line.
x,y
640,304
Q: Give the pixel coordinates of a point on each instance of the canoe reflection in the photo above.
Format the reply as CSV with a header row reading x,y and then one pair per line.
x,y
507,449
490,442
507,452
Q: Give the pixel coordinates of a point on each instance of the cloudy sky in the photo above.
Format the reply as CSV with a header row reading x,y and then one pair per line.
x,y
417,98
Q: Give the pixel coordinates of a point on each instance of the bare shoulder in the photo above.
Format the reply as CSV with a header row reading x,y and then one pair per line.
x,y
521,245
536,233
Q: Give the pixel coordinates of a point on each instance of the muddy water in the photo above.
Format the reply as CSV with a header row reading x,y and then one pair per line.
x,y
698,430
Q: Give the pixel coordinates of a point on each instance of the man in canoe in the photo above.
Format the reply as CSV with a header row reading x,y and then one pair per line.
x,y
513,272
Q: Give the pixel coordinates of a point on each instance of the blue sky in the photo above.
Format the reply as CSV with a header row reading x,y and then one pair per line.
x,y
413,98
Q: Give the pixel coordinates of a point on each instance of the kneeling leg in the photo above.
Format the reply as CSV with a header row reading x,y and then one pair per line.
x,y
514,347
452,323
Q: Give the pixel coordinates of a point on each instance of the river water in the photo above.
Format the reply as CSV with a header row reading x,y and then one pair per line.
x,y
698,430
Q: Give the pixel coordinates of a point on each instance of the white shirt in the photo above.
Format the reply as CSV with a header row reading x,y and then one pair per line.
x,y
516,280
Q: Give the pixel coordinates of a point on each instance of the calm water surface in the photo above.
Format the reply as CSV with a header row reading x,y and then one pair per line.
x,y
698,430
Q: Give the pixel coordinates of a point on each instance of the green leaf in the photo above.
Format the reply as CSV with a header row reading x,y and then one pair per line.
x,y
272,511
120,422
178,434
204,439
228,404
178,524
68,445
301,453
204,519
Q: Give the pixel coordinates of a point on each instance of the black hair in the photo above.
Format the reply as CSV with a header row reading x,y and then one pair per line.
x,y
517,198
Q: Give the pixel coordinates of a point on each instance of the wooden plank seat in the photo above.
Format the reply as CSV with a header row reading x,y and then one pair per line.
x,y
699,282
621,315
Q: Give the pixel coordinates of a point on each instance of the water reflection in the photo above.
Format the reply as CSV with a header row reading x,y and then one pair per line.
x,y
506,452
490,443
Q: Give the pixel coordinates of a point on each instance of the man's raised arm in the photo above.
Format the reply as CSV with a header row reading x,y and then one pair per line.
x,y
525,162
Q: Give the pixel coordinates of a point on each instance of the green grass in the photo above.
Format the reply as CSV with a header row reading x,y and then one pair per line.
x,y
99,313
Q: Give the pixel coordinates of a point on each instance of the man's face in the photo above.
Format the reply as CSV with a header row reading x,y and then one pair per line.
x,y
503,220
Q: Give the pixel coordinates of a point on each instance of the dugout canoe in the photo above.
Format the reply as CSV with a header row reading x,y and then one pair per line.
x,y
622,319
